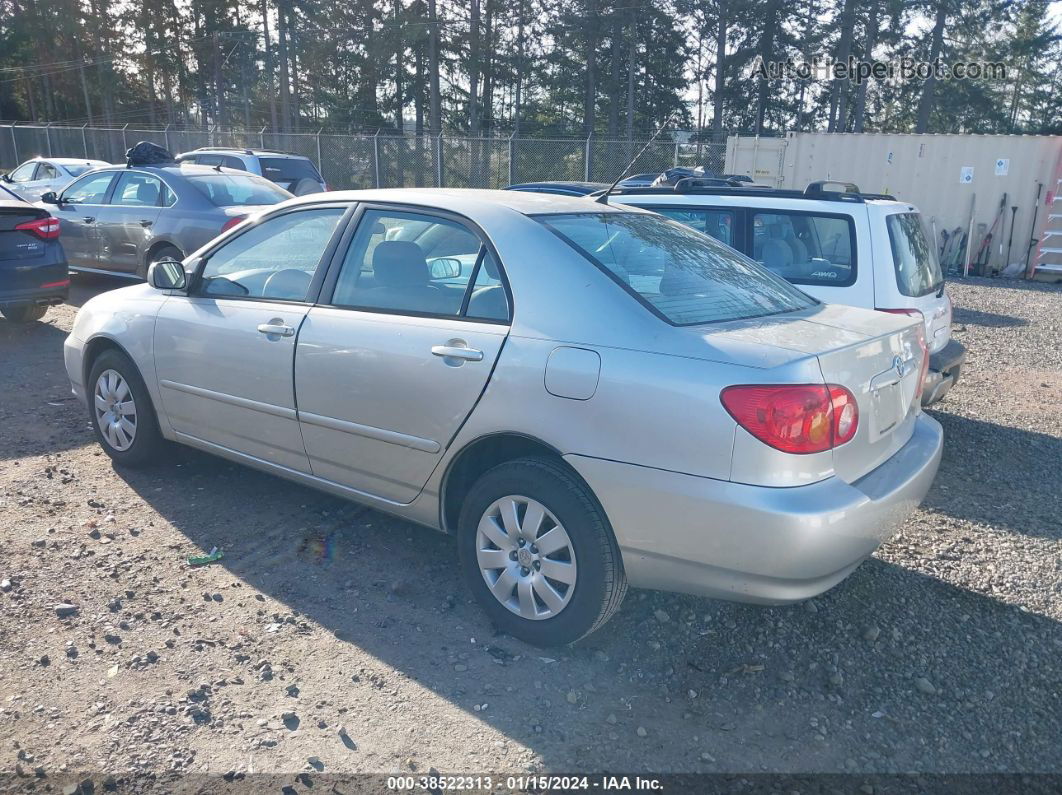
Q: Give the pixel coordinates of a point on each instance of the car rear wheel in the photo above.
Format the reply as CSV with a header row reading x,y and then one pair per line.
x,y
121,412
538,553
163,253
23,313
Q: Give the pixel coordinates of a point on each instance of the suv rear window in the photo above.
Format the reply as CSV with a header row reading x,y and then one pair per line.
x,y
915,259
287,171
682,276
236,190
805,248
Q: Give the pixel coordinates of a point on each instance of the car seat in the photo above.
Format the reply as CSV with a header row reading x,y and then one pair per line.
x,y
489,302
147,193
402,279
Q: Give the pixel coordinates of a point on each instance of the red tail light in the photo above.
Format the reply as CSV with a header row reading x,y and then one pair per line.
x,y
44,228
232,222
799,418
61,283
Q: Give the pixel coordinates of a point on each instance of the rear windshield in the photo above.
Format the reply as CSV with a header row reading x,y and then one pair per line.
x,y
78,170
237,190
914,257
288,170
681,275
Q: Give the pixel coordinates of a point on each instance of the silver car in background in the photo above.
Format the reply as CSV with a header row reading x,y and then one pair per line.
x,y
120,219
35,177
585,395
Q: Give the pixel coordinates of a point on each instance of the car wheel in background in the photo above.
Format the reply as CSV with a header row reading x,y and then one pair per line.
x,y
163,253
121,412
538,553
23,313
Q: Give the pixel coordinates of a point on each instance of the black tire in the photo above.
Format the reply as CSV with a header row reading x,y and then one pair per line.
x,y
165,252
23,313
147,446
600,584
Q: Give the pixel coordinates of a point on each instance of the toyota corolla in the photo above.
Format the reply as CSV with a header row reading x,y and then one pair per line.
x,y
584,395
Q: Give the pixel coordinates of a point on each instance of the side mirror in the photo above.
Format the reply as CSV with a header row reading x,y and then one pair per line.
x,y
445,268
167,274
51,197
5,177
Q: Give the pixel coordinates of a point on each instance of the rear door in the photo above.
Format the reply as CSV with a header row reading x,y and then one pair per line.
x,y
125,223
79,205
392,362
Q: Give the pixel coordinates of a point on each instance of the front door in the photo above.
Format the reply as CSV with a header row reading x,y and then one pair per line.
x,y
387,372
125,223
77,209
224,353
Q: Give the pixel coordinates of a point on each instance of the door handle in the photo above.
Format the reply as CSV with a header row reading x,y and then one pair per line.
x,y
455,352
278,328
146,223
89,220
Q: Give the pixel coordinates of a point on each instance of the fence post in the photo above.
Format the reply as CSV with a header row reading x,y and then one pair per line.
x,y
586,159
438,161
320,165
14,142
48,137
376,155
125,143
677,154
84,140
512,164
261,137
166,137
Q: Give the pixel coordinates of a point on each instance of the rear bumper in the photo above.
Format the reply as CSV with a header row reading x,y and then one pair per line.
x,y
751,543
38,295
944,368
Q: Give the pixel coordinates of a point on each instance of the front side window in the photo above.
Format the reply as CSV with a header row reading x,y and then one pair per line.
x,y
714,223
682,276
275,260
23,173
135,189
419,264
90,189
805,248
914,257
237,190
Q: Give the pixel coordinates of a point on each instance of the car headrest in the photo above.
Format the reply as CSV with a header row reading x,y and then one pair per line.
x,y
147,193
399,263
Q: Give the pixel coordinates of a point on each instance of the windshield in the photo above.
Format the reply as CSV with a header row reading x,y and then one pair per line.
x,y
238,190
914,257
679,274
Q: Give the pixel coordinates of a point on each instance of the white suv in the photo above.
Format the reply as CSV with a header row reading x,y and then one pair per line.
x,y
840,246
294,173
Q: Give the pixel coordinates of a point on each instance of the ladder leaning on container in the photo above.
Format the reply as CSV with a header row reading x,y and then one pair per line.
x,y
1047,264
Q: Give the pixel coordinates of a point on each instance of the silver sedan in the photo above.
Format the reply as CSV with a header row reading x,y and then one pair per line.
x,y
585,395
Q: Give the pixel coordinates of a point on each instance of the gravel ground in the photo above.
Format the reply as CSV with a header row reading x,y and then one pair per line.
x,y
332,637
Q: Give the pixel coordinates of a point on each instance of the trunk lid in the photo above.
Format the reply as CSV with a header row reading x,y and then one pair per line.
x,y
877,357
16,245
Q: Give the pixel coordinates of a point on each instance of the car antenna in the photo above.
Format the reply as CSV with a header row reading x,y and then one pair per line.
x,y
603,198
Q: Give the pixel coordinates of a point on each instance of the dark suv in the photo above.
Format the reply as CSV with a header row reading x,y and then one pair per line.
x,y
32,263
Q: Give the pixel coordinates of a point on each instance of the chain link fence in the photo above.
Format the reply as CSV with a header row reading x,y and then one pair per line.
x,y
385,161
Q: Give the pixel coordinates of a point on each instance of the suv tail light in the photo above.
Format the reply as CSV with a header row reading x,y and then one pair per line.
x,y
232,222
794,418
44,228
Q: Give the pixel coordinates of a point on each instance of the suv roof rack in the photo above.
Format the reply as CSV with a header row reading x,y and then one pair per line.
x,y
714,186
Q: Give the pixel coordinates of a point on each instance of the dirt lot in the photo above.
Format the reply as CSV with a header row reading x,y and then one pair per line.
x,y
332,637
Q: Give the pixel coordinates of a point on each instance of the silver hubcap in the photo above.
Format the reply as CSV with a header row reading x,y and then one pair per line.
x,y
115,410
526,557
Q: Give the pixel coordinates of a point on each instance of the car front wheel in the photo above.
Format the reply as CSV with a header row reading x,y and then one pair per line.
x,y
538,553
121,412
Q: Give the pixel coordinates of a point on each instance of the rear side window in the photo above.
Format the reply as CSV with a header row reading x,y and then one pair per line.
x,y
806,248
719,224
914,257
236,190
682,276
287,171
